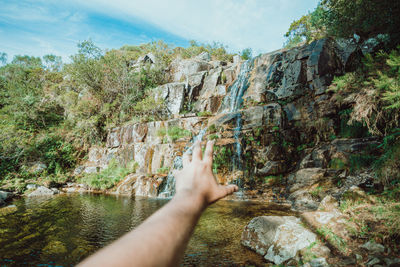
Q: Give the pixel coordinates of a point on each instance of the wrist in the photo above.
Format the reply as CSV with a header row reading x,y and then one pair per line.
x,y
193,202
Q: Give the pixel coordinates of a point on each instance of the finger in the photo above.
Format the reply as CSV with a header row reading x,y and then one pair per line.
x,y
196,151
185,159
208,154
226,190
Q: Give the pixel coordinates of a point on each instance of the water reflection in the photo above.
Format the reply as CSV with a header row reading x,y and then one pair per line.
x,y
63,230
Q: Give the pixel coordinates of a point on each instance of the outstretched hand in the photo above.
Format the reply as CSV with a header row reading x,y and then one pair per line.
x,y
196,179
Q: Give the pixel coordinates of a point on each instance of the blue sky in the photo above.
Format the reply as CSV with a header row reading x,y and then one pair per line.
x,y
38,27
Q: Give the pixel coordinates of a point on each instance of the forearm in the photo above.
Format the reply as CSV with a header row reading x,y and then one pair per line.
x,y
162,237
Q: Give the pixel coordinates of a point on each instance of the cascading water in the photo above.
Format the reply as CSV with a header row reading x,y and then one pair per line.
x,y
169,188
232,103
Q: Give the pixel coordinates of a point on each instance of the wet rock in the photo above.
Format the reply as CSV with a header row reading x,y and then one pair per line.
x,y
277,238
374,248
42,191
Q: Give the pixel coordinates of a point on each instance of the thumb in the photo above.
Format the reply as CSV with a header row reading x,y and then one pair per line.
x,y
224,190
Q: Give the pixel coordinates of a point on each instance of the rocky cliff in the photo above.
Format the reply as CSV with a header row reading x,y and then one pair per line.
x,y
273,119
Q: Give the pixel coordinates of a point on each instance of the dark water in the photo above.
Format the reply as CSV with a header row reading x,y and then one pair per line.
x,y
63,230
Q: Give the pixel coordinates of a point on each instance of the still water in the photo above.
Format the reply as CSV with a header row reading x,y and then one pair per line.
x,y
63,230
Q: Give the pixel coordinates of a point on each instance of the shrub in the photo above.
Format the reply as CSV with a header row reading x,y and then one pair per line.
x,y
108,177
175,133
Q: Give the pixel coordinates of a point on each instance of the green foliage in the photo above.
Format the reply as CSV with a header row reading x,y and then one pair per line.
x,y
175,133
213,137
53,151
333,238
273,179
306,29
204,114
216,50
3,58
108,177
163,170
366,18
222,156
346,19
337,164
246,53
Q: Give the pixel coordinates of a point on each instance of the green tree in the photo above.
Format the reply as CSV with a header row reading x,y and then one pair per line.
x,y
308,28
52,62
366,18
3,58
246,53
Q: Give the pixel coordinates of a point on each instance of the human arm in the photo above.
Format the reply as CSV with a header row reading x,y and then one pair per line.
x,y
161,240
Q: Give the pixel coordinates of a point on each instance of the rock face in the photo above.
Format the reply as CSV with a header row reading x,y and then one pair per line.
x,y
277,238
271,116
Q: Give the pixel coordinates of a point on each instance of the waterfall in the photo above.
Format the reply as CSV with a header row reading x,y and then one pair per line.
x,y
239,86
169,188
232,104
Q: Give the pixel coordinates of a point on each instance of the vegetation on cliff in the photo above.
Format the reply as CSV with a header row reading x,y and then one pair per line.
x,y
52,112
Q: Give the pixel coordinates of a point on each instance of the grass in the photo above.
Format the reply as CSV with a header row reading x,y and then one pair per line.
x,y
333,238
176,133
316,191
379,221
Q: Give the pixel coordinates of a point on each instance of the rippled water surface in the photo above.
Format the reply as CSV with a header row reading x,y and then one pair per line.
x,y
63,230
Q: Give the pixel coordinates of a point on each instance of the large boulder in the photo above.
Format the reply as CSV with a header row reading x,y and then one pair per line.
x,y
277,238
173,95
43,191
181,69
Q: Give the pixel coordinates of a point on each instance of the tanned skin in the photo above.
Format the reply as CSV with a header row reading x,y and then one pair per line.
x,y
161,239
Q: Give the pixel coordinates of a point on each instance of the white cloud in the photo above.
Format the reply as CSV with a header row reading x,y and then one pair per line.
x,y
259,24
